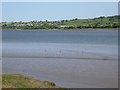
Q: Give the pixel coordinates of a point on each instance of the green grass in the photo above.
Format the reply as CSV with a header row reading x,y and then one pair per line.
x,y
101,22
20,81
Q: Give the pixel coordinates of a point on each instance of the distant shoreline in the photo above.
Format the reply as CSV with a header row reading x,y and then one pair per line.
x,y
110,22
65,29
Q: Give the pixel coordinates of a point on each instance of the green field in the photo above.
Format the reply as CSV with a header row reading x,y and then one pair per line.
x,y
101,22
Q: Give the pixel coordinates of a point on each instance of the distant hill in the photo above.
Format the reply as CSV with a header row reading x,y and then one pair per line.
x,y
100,22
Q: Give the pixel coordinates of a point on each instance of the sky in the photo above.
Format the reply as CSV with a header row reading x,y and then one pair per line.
x,y
29,11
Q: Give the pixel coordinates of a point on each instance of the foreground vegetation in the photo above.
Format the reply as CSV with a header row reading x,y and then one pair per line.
x,y
100,22
20,81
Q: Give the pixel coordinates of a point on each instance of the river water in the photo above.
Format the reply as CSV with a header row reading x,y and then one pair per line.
x,y
79,58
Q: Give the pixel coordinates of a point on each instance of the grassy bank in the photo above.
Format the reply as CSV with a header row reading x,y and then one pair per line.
x,y
20,81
